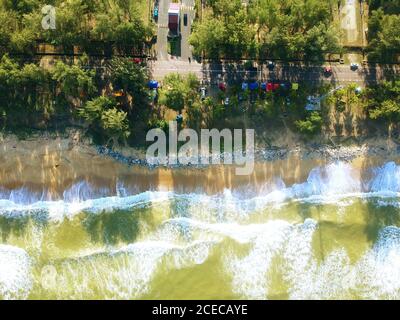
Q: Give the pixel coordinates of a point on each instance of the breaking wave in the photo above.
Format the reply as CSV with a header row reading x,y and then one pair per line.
x,y
201,226
324,184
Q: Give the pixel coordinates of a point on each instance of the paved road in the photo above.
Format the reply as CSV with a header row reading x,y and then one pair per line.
x,y
162,31
235,73
187,8
161,68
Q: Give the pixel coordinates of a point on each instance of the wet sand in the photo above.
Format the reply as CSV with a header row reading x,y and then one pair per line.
x,y
56,164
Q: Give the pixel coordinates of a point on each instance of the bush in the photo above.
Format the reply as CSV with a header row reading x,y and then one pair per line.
x,y
115,124
311,125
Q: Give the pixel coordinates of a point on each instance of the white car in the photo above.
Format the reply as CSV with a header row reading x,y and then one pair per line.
x,y
203,93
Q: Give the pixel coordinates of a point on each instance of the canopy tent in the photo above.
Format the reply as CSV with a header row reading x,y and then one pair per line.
x,y
153,84
253,86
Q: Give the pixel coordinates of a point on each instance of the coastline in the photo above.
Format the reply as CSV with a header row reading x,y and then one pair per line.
x,y
54,164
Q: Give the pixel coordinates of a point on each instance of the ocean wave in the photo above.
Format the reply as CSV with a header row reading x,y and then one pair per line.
x,y
329,184
123,273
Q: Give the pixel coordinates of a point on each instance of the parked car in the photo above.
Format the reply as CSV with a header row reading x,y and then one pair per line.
x,y
203,93
155,13
271,65
185,19
328,71
354,66
137,60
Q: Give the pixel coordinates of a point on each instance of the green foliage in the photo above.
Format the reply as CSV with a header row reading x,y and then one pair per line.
x,y
132,78
179,91
225,32
103,116
93,109
384,101
160,124
311,125
389,6
73,81
289,29
78,23
114,122
65,90
266,109
22,89
384,37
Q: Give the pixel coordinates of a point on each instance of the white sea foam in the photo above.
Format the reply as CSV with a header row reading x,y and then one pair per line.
x,y
57,210
329,184
124,273
15,273
250,274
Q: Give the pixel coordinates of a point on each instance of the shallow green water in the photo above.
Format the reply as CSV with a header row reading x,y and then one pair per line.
x,y
332,244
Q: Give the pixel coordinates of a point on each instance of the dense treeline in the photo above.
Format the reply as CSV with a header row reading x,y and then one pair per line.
x,y
383,101
295,29
383,30
78,22
389,6
112,102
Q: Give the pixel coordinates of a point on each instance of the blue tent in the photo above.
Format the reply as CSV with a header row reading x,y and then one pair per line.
x,y
264,86
253,86
153,84
245,86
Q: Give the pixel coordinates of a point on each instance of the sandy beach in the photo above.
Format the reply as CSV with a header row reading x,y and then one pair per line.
x,y
56,163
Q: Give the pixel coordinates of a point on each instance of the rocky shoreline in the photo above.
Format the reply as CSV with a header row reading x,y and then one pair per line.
x,y
336,153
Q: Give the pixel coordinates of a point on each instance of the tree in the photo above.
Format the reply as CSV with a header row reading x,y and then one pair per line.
x,y
225,32
23,89
91,112
102,116
311,125
115,124
73,81
384,101
132,78
384,37
179,91
281,29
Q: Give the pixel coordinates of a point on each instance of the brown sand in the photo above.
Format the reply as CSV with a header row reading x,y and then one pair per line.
x,y
56,164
